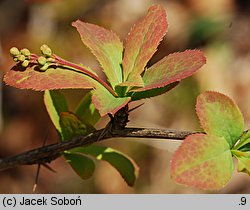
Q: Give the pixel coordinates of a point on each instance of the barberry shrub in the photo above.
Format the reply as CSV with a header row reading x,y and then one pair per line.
x,y
203,160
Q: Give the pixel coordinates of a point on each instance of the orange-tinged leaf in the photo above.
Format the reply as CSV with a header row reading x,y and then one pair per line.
x,y
106,46
142,43
220,116
63,78
202,161
51,79
173,68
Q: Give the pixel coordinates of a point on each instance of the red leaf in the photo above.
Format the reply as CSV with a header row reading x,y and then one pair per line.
x,y
106,46
142,43
172,68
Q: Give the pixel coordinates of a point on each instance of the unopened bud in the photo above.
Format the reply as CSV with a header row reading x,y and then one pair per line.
x,y
46,50
25,52
44,67
25,63
41,60
14,51
21,57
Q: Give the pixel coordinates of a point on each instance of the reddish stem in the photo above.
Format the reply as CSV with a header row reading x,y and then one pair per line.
x,y
85,71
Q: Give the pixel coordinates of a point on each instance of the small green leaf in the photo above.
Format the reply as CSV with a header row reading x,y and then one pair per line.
x,y
82,165
106,46
244,165
72,126
121,90
245,148
86,110
220,116
55,103
244,140
122,163
142,43
243,161
202,161
105,102
152,92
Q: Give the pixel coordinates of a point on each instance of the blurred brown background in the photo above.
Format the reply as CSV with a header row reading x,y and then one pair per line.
x,y
221,28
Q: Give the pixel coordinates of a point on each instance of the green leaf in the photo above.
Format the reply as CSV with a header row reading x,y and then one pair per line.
x,y
220,116
105,102
142,43
202,161
245,148
122,163
82,165
51,79
72,126
86,110
244,140
243,161
55,103
244,165
152,92
106,46
172,68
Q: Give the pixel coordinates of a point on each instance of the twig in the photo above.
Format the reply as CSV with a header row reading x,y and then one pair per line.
x,y
51,152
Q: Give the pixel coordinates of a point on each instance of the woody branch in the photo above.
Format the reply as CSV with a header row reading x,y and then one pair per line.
x,y
46,154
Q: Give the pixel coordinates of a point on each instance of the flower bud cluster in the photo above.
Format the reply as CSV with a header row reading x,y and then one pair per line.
x,y
25,58
22,55
45,60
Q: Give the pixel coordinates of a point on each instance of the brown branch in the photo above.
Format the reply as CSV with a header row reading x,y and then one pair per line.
x,y
51,152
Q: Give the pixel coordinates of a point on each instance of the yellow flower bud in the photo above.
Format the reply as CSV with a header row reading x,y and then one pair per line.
x,y
41,60
25,52
21,57
25,63
14,51
46,50
44,67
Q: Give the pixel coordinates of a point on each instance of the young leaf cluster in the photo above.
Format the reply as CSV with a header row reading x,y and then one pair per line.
x,y
124,66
